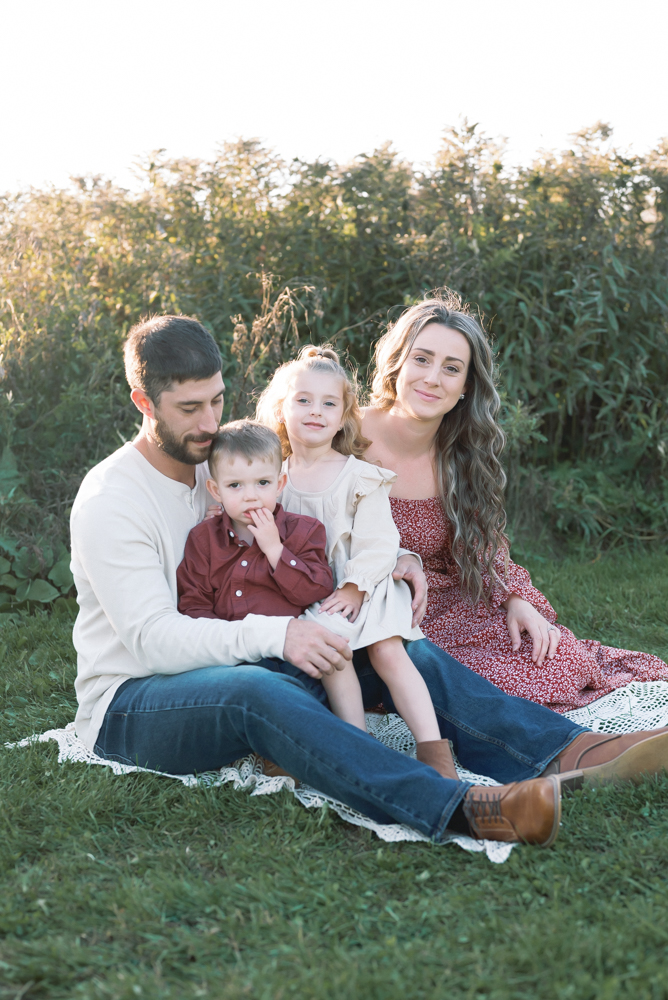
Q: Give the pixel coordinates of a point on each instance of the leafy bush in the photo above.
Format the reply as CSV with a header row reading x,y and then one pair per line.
x,y
567,259
32,577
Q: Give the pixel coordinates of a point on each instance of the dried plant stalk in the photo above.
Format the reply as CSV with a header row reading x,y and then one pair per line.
x,y
271,340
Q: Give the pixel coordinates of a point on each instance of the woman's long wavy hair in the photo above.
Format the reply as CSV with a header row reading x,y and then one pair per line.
x,y
469,440
349,440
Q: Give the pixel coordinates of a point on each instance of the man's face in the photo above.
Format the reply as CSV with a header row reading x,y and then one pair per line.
x,y
187,417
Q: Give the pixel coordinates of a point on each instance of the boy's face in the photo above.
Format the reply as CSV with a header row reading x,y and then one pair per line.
x,y
242,485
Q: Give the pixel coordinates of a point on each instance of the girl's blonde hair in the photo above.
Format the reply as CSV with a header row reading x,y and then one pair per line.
x,y
469,441
349,440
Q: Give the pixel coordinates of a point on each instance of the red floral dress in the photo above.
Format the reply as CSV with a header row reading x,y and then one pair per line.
x,y
582,670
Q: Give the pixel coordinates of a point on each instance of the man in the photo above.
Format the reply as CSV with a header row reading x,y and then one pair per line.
x,y
186,695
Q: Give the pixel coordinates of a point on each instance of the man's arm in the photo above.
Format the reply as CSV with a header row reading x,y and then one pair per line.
x,y
117,566
115,555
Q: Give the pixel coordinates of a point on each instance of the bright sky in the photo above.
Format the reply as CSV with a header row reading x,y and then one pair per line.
x,y
88,87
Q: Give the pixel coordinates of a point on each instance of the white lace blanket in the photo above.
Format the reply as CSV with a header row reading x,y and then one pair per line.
x,y
629,709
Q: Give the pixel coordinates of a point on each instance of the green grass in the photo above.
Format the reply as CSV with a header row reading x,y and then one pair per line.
x,y
135,886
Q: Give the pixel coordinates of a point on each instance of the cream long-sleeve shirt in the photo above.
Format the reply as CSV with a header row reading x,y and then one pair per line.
x,y
129,527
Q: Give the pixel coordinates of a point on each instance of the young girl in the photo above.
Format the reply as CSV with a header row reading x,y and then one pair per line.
x,y
312,405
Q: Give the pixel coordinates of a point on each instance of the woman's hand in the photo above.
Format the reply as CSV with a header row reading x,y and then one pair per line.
x,y
523,617
213,510
408,568
346,601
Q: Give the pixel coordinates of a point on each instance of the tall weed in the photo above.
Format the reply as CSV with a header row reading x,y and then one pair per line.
x,y
567,260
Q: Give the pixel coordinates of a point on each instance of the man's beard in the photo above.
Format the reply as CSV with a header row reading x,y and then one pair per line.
x,y
177,448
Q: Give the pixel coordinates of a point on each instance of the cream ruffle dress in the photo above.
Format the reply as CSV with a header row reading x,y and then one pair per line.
x,y
362,548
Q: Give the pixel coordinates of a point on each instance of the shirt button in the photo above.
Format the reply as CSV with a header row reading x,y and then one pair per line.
x,y
231,534
244,563
238,593
292,562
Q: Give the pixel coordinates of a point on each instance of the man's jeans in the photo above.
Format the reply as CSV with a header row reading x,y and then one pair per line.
x,y
203,719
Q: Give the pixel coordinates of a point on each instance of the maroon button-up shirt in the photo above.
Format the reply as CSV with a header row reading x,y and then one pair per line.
x,y
223,577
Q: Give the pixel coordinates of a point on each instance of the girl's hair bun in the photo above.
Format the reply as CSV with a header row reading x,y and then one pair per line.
x,y
313,351
349,440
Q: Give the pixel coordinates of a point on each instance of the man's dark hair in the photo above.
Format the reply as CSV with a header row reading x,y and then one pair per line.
x,y
247,438
168,349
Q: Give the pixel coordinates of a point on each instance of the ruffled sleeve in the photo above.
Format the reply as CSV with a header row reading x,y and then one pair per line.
x,y
374,539
371,478
516,580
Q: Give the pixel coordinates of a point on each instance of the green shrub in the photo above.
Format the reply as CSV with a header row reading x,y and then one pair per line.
x,y
567,259
32,577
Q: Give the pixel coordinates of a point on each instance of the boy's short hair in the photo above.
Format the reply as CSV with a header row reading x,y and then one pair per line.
x,y
168,349
248,438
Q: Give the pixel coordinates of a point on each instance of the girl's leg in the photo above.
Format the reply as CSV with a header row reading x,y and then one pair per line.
x,y
345,695
413,702
407,687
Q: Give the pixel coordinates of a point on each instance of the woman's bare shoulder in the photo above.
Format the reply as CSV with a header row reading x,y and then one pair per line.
x,y
372,429
373,421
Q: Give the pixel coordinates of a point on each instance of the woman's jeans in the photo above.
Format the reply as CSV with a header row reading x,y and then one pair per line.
x,y
203,719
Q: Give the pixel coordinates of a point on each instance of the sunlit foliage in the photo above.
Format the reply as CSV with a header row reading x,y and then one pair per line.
x,y
566,259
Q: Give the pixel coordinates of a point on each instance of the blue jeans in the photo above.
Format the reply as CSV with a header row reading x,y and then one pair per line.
x,y
203,719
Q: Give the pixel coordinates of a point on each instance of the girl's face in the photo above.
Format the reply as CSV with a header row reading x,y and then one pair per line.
x,y
313,409
433,376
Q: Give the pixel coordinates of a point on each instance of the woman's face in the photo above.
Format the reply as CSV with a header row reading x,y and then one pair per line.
x,y
433,376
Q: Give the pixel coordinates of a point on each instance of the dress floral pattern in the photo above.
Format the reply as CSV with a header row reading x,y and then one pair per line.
x,y
582,670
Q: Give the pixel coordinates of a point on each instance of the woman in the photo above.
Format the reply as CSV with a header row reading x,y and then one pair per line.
x,y
432,420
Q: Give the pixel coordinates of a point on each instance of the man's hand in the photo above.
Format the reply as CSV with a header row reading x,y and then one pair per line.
x,y
346,601
264,531
408,568
314,649
523,617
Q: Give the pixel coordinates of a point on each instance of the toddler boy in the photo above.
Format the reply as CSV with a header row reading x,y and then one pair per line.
x,y
254,558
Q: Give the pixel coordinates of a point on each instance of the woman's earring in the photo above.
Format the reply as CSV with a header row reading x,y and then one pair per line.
x,y
462,395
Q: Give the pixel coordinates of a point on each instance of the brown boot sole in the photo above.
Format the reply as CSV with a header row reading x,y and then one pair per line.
x,y
556,789
648,757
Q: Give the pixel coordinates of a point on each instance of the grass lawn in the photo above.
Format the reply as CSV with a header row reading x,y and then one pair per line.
x,y
135,886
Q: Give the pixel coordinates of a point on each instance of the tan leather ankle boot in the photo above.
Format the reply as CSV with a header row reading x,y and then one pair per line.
x,y
605,757
437,754
525,811
272,770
